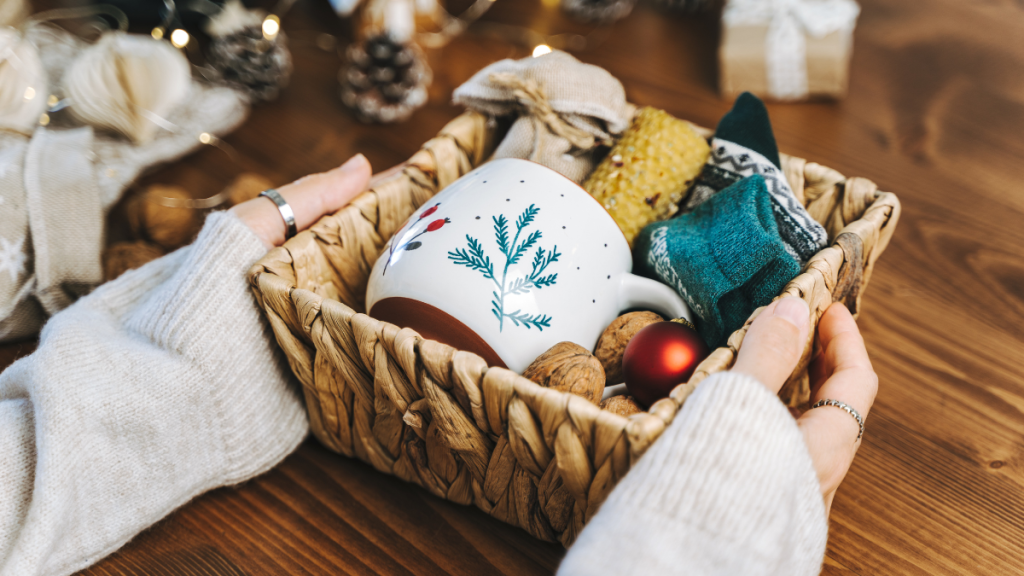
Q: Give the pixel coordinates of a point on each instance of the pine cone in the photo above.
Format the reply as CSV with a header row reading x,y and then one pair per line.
x,y
248,61
385,81
598,10
686,6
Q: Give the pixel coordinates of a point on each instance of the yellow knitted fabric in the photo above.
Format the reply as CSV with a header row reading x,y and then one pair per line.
x,y
649,171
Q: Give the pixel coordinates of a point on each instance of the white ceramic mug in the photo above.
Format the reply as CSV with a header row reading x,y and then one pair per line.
x,y
508,261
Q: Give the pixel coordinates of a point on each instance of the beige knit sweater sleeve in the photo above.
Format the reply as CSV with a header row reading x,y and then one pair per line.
x,y
167,382
151,390
728,489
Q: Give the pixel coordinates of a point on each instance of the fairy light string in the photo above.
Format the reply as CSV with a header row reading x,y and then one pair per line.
x,y
178,38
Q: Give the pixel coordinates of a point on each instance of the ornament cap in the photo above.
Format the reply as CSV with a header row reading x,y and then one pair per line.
x,y
684,322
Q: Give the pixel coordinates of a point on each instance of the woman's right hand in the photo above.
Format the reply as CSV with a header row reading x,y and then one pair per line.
x,y
310,197
840,371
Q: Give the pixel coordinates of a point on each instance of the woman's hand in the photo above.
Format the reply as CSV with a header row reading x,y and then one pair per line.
x,y
840,371
310,198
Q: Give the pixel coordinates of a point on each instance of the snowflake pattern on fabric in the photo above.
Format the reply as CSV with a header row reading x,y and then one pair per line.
x,y
659,259
12,258
7,160
729,163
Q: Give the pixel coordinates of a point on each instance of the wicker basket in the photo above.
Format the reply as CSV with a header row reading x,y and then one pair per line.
x,y
441,418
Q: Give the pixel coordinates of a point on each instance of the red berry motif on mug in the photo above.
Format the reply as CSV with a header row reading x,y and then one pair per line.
x,y
413,243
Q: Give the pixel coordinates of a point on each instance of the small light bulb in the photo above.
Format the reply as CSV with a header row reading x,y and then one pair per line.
x,y
179,38
541,50
44,119
205,138
157,32
30,93
52,101
271,26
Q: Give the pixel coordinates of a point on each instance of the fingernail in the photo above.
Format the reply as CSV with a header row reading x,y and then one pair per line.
x,y
794,310
353,163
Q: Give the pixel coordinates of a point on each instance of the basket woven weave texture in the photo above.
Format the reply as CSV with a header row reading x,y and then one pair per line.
x,y
441,418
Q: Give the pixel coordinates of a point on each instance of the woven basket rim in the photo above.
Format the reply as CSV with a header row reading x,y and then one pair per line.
x,y
860,221
395,173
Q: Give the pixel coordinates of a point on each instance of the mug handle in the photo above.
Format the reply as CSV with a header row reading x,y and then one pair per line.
x,y
638,292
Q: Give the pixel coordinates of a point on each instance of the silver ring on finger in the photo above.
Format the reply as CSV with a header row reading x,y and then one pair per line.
x,y
284,208
844,407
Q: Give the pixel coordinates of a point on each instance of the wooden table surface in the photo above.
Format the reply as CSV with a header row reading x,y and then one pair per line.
x,y
935,114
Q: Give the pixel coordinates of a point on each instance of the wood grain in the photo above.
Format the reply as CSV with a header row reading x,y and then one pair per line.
x,y
935,113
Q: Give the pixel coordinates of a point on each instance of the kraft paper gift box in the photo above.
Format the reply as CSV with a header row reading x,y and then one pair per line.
x,y
786,49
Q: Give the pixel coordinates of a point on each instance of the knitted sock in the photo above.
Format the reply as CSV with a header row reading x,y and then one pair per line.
x,y
744,145
747,124
725,258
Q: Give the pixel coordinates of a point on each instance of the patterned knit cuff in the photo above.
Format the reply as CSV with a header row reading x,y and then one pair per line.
x,y
729,163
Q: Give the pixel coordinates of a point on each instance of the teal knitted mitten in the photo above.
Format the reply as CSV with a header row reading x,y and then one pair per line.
x,y
744,145
725,258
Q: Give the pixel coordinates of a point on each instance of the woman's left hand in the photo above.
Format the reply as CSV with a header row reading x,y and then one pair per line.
x,y
841,371
310,197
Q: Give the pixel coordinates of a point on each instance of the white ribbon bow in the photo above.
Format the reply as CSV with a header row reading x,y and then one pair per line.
x,y
789,21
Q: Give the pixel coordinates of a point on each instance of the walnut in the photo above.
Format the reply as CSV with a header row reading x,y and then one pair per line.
x,y
622,405
613,341
124,256
160,216
570,368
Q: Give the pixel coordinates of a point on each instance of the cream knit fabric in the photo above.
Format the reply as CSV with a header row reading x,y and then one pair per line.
x,y
57,186
728,489
151,390
167,383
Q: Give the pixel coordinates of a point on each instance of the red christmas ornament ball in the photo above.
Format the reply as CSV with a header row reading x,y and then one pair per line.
x,y
660,357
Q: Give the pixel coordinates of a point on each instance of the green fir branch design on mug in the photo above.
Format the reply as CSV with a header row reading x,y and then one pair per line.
x,y
473,257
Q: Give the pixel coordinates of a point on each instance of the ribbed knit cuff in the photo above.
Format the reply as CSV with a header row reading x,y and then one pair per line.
x,y
735,430
209,314
729,488
206,289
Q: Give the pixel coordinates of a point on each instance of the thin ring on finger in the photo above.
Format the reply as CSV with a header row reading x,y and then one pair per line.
x,y
287,214
844,407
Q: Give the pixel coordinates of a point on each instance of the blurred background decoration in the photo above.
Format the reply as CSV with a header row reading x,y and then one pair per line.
x,y
156,80
385,74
